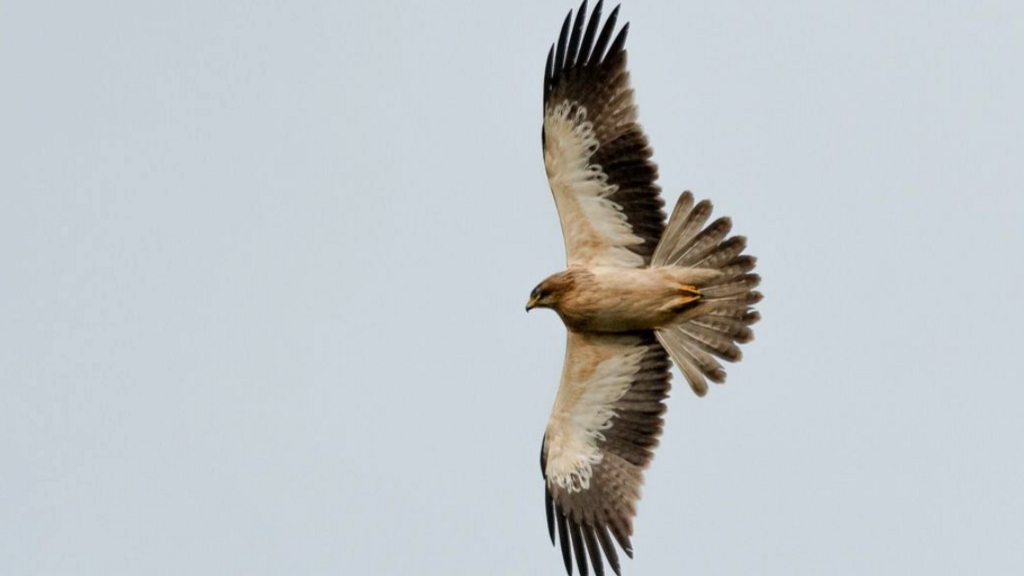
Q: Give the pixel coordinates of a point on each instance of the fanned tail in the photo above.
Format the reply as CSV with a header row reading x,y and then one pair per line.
x,y
711,328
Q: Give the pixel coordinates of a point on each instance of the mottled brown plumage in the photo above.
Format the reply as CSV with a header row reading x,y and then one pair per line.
x,y
634,293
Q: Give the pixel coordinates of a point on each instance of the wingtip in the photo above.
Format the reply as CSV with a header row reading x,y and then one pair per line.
x,y
577,548
620,41
614,14
563,539
549,511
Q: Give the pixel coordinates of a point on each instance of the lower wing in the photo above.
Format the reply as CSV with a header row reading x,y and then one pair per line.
x,y
600,437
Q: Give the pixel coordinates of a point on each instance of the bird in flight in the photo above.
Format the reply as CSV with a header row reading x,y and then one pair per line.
x,y
635,292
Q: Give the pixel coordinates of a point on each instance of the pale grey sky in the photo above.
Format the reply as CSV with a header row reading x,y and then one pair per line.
x,y
262,275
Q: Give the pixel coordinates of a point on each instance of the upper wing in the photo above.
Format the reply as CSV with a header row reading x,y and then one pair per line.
x,y
596,155
603,428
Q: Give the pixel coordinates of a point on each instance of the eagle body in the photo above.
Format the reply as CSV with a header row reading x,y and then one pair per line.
x,y
639,293
613,299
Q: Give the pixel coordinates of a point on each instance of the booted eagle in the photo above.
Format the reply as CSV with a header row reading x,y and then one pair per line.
x,y
635,292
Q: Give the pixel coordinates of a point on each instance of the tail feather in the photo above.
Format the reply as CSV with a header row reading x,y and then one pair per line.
x,y
687,220
674,230
734,306
715,325
708,365
689,228
748,317
734,328
736,287
712,342
704,243
725,253
746,299
735,267
675,344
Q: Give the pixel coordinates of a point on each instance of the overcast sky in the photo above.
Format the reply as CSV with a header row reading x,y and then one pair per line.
x,y
263,268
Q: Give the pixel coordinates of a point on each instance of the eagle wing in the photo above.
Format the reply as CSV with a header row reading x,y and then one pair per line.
x,y
600,437
596,155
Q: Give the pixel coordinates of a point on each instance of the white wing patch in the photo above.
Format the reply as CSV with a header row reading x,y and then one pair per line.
x,y
595,229
593,380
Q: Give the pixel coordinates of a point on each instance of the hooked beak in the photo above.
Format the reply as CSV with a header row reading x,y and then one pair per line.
x,y
531,304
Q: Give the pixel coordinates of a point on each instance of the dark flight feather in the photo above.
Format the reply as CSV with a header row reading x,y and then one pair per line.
x,y
560,53
577,30
609,549
563,538
588,38
592,550
577,546
606,34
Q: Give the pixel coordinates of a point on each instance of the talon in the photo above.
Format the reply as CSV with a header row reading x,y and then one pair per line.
x,y
686,300
690,294
689,290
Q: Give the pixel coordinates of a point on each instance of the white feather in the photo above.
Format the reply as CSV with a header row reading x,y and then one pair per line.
x,y
595,229
583,407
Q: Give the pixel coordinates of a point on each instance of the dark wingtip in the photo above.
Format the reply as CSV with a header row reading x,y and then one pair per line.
x,y
587,44
560,62
606,34
549,509
595,554
620,40
563,539
580,46
577,547
604,540
577,32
